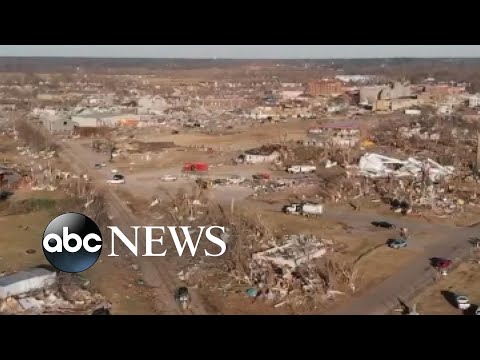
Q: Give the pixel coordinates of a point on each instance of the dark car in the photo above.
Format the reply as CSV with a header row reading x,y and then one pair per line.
x,y
383,224
117,177
441,263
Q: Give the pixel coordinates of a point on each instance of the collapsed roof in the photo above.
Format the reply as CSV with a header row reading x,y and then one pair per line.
x,y
375,165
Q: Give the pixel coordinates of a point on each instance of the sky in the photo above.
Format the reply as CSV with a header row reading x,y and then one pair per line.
x,y
243,51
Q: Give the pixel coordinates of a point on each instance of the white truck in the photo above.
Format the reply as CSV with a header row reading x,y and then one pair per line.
x,y
305,209
302,169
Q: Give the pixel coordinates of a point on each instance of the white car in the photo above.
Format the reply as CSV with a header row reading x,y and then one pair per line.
x,y
168,178
117,179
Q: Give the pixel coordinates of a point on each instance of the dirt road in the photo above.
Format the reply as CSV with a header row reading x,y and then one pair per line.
x,y
156,271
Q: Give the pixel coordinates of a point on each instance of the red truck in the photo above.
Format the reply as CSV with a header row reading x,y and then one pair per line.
x,y
195,167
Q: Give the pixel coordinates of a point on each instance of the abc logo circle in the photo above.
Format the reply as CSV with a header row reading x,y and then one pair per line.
x,y
72,242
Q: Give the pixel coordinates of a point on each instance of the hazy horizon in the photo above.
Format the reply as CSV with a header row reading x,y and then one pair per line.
x,y
243,52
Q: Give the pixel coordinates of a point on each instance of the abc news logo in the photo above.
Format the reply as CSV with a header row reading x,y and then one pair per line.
x,y
73,242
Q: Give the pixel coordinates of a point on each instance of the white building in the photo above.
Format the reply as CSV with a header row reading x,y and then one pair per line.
x,y
102,119
474,101
355,78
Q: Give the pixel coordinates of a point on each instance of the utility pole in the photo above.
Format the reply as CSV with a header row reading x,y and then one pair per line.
x,y
477,168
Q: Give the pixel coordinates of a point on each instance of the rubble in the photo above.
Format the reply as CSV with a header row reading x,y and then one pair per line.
x,y
26,281
375,165
296,251
62,295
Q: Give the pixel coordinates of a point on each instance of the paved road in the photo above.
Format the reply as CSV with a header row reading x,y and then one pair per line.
x,y
415,275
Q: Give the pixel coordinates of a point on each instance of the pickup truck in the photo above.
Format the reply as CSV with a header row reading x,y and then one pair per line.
x,y
302,169
306,209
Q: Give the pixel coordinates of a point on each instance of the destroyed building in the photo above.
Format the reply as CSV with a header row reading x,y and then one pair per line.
x,y
375,166
92,120
265,113
264,154
390,97
340,133
152,105
42,291
59,125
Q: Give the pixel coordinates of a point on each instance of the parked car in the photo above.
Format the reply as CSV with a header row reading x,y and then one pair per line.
x,y
398,244
117,179
463,303
98,166
383,224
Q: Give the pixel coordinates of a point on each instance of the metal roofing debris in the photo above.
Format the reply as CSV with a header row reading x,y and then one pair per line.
x,y
375,165
26,281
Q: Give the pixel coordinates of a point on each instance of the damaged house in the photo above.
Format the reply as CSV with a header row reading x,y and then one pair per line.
x,y
264,154
376,166
416,130
340,133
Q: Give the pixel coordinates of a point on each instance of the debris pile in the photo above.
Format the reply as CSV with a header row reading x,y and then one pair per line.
x,y
375,165
297,250
41,291
284,273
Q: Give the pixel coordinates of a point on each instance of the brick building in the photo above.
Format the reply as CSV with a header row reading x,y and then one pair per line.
x,y
325,88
